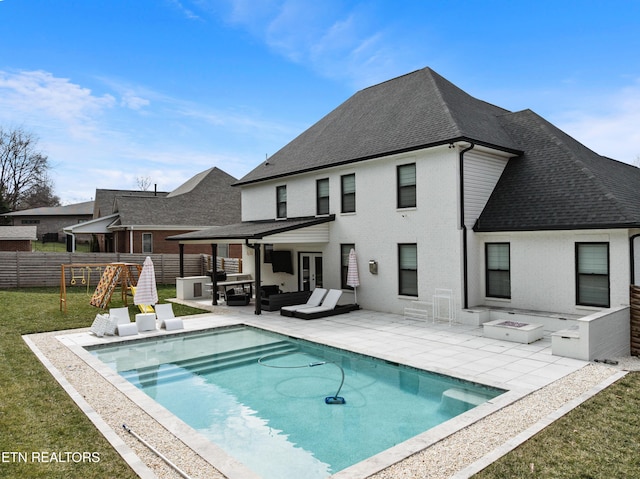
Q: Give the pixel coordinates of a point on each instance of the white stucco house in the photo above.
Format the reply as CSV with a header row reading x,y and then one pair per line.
x,y
435,189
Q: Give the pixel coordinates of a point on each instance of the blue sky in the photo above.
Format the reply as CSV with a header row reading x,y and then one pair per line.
x,y
117,90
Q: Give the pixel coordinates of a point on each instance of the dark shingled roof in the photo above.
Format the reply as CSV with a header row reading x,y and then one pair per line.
x,y
552,183
558,183
251,230
410,112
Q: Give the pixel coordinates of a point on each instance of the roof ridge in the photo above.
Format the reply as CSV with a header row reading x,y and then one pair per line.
x,y
442,100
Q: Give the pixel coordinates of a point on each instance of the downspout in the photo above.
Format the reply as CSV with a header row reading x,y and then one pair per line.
x,y
463,226
131,240
633,258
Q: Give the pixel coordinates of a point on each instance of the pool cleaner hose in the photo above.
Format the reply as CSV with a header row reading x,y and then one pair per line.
x,y
335,399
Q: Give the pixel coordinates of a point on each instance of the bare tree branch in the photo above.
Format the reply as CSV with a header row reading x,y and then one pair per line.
x,y
23,168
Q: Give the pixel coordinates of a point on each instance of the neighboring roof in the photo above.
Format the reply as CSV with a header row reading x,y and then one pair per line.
x,y
103,204
252,230
94,226
558,183
18,233
77,209
207,199
414,111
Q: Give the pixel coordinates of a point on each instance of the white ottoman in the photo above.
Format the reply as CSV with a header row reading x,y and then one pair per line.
x,y
126,329
146,321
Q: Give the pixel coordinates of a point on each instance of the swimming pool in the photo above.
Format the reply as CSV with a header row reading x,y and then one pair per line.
x,y
275,419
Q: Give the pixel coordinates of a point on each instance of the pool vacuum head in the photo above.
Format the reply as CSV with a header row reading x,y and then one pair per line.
x,y
334,400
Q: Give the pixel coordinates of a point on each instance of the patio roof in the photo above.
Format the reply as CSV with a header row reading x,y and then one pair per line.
x,y
95,226
290,230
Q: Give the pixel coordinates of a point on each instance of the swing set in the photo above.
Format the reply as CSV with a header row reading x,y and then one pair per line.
x,y
111,276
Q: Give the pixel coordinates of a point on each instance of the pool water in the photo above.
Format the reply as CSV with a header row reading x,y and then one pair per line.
x,y
272,417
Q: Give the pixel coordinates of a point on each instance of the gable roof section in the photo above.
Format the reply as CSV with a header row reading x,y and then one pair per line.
x,y
411,112
206,199
103,203
558,183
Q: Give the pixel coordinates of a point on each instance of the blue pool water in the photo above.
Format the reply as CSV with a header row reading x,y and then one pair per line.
x,y
272,417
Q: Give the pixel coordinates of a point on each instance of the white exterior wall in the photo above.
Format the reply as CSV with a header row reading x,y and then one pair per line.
x,y
543,269
542,263
377,226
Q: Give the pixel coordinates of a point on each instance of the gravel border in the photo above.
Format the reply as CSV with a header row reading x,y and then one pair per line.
x,y
459,455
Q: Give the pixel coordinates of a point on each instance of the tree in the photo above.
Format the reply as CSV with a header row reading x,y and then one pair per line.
x,y
143,183
39,195
23,171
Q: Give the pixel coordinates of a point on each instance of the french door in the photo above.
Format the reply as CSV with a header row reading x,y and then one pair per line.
x,y
310,274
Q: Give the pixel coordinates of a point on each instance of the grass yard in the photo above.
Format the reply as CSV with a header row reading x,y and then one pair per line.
x,y
36,414
598,439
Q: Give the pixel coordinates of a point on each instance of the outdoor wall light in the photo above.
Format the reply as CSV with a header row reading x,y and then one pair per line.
x,y
373,266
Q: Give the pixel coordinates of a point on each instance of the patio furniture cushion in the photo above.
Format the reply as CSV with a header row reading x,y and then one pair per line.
x,y
314,300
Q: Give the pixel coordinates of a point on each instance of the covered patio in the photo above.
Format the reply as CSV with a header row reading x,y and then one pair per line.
x,y
254,235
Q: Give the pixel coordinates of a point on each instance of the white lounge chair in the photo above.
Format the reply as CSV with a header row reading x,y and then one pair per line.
x,y
329,303
314,300
120,322
168,321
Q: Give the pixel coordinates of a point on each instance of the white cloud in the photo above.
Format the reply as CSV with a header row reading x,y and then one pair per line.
x,y
334,39
610,126
42,97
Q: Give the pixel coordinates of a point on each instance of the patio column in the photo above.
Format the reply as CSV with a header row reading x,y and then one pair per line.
x,y
214,273
256,257
181,249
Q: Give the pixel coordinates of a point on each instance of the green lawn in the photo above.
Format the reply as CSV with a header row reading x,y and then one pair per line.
x,y
36,414
59,247
598,439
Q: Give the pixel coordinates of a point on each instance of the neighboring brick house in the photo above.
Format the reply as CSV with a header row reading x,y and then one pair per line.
x,y
17,238
128,221
51,220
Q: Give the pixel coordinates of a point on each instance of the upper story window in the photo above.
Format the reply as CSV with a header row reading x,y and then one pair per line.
x,y
406,175
348,186
592,274
147,243
498,270
322,196
281,202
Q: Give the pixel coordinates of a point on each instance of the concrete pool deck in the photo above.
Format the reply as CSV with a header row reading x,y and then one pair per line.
x,y
526,370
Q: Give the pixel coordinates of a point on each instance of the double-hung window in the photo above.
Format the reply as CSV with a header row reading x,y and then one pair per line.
x,y
498,272
281,202
408,269
406,176
348,185
345,249
322,196
147,243
592,274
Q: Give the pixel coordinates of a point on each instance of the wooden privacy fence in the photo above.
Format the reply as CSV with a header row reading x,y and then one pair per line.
x,y
28,269
635,320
